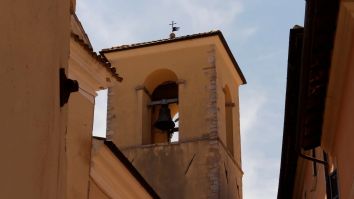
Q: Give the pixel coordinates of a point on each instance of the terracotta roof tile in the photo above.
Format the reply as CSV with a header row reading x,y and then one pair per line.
x,y
101,59
160,41
78,29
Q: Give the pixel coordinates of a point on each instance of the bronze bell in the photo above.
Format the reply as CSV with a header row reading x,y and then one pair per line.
x,y
164,122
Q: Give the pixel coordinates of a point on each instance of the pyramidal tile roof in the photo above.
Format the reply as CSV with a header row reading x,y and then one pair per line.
x,y
176,39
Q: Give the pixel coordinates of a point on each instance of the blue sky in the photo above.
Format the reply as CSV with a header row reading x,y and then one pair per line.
x,y
257,32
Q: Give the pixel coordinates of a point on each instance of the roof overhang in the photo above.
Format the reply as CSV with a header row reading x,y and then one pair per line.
x,y
289,154
304,112
319,32
93,57
188,39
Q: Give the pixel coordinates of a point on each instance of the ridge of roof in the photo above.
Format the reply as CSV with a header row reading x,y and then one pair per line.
x,y
160,41
82,30
176,39
101,59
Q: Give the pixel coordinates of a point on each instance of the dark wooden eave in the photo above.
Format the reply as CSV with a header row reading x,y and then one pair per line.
x,y
320,28
290,147
177,39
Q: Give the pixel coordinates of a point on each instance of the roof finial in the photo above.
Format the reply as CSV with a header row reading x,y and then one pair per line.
x,y
174,28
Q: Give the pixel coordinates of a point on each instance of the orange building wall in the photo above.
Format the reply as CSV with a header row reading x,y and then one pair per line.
x,y
96,192
343,145
78,139
125,116
337,136
199,164
34,45
309,185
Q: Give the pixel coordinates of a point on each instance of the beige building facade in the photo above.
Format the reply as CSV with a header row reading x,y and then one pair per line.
x,y
49,76
34,45
94,170
92,74
200,78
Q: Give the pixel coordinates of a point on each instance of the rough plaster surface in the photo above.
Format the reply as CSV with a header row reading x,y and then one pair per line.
x,y
187,170
78,139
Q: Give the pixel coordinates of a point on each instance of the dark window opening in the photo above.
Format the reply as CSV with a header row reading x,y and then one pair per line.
x,y
333,184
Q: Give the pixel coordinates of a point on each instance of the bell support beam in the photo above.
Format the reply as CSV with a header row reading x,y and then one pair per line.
x,y
163,101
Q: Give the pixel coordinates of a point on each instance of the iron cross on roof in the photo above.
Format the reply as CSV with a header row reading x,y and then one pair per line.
x,y
174,28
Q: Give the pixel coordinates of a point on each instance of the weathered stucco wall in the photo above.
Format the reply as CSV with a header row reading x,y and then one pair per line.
x,y
338,136
228,79
188,64
195,166
175,170
78,138
34,45
230,175
312,178
197,169
96,192
111,177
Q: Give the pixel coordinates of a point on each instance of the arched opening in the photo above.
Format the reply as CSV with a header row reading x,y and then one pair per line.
x,y
160,97
229,120
165,96
157,78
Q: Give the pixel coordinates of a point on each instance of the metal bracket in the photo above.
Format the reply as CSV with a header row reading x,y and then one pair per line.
x,y
67,86
325,163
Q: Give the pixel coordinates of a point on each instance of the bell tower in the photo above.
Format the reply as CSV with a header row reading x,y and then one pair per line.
x,y
176,114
